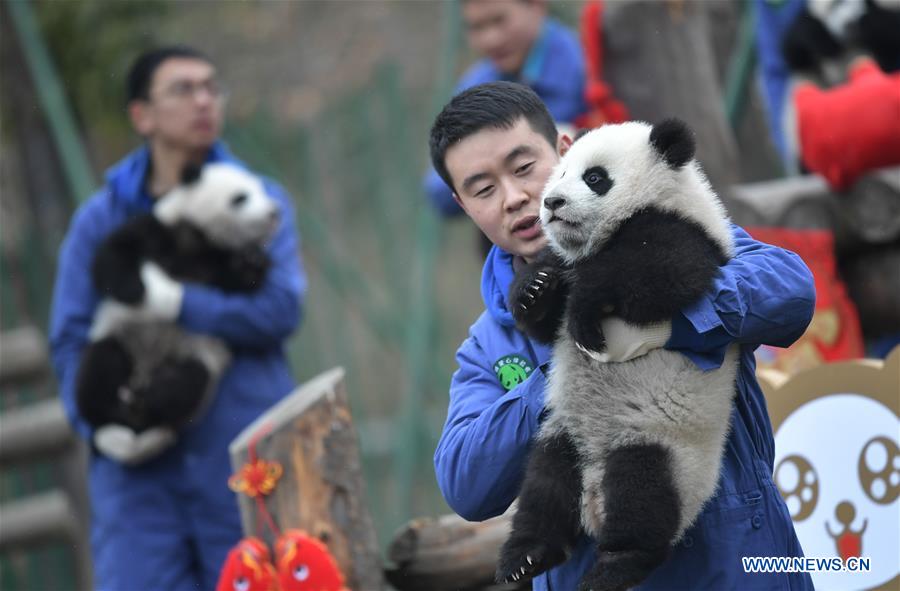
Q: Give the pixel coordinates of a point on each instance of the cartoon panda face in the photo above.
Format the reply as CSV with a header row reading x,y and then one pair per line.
x,y
227,203
837,467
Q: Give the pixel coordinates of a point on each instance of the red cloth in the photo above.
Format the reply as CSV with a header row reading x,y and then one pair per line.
x,y
834,332
849,130
603,107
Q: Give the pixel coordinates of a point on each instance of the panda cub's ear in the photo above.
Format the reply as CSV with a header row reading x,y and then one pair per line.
x,y
673,141
190,174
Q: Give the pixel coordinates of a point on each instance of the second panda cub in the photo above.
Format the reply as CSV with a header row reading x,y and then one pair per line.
x,y
143,377
630,451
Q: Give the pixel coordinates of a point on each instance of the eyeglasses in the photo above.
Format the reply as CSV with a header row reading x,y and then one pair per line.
x,y
185,90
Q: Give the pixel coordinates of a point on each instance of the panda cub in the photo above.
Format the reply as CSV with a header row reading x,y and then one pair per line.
x,y
629,452
142,377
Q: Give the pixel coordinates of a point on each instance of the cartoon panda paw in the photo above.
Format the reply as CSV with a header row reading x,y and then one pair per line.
x,y
523,558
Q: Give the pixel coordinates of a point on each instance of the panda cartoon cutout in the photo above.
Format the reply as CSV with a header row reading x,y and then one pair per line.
x,y
629,452
837,466
142,377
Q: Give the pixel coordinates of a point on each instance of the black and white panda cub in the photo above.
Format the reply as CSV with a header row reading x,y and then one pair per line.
x,y
629,452
143,377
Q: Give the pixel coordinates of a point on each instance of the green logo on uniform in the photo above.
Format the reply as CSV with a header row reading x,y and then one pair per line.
x,y
512,370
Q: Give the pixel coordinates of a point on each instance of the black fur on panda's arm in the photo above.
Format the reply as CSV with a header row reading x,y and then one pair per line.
x,y
195,258
116,270
656,264
537,296
244,270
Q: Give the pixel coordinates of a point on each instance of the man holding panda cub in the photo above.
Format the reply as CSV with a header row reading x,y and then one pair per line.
x,y
168,522
496,146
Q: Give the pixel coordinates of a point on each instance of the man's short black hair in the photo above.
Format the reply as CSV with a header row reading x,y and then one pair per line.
x,y
497,105
141,73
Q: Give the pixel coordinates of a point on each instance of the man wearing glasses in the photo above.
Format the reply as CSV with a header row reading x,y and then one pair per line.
x,y
168,522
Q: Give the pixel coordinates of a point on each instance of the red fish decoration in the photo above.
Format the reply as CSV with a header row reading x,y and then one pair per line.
x,y
305,564
248,567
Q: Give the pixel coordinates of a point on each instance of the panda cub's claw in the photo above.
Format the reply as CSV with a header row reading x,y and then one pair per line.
x,y
595,355
520,559
528,295
589,339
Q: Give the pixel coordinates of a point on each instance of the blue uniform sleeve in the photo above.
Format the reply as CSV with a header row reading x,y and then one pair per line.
x,y
480,458
267,316
74,302
763,295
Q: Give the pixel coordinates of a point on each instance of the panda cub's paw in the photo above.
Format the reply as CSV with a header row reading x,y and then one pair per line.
x,y
589,338
248,268
523,557
528,294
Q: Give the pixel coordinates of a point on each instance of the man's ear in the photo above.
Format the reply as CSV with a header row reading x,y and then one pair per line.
x,y
563,143
141,117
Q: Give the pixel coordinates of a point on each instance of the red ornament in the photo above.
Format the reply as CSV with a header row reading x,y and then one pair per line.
x,y
305,564
255,478
248,567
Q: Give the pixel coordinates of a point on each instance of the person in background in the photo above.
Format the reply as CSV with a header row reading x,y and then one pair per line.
x,y
518,42
496,144
169,522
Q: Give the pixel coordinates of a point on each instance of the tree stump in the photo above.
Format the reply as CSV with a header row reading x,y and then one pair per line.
x,y
311,434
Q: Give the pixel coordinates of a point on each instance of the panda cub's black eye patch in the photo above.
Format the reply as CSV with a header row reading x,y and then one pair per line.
x,y
597,179
238,200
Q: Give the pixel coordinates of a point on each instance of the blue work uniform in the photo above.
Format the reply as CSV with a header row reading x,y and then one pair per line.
x,y
554,70
763,295
168,523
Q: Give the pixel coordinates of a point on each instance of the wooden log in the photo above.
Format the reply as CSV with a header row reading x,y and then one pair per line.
x,y
868,213
448,553
23,355
871,208
311,434
38,519
35,431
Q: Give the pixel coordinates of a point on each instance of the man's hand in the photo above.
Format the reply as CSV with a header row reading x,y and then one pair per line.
x,y
123,445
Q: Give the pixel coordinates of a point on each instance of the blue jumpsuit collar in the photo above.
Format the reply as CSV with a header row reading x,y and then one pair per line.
x,y
496,277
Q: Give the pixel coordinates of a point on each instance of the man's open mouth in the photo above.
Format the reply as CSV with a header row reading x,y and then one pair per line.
x,y
526,223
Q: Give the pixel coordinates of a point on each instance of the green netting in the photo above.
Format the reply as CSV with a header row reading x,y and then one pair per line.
x,y
369,244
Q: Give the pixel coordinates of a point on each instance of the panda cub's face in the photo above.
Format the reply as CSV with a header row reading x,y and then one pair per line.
x,y
227,203
606,176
